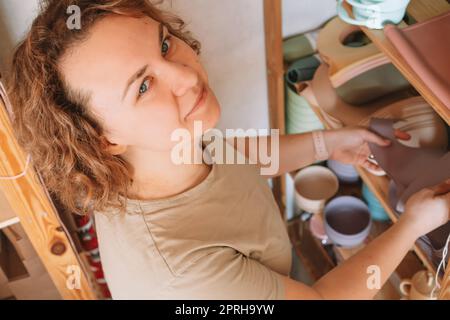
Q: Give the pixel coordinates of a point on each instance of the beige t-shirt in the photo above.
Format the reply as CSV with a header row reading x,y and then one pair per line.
x,y
223,239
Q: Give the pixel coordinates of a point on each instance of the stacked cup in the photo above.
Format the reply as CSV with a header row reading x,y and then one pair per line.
x,y
346,173
300,117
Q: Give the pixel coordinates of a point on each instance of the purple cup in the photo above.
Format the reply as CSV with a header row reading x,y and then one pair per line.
x,y
347,221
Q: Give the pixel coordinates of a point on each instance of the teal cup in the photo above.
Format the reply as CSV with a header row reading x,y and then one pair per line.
x,y
376,209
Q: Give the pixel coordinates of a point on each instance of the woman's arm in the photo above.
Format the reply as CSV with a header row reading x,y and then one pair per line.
x,y
425,212
349,145
383,254
349,280
293,151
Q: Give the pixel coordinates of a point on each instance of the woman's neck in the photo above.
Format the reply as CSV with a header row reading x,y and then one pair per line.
x,y
156,176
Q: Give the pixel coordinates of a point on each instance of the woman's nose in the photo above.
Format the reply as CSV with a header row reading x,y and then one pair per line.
x,y
181,78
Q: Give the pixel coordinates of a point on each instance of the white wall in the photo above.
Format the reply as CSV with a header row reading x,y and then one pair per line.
x,y
232,34
15,18
305,15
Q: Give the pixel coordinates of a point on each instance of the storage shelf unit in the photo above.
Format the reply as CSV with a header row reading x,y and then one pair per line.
x,y
7,215
420,10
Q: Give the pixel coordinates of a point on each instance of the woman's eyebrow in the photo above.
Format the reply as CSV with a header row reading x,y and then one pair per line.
x,y
140,73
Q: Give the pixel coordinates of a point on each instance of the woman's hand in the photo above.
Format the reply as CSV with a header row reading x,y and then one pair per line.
x,y
428,209
350,145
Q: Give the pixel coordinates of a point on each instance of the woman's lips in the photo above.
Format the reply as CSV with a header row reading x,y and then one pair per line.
x,y
200,100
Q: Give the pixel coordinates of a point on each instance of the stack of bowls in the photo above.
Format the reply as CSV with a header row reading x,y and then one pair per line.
x,y
347,221
314,185
300,118
346,173
376,209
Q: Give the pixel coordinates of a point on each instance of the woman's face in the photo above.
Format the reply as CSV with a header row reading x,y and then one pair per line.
x,y
143,83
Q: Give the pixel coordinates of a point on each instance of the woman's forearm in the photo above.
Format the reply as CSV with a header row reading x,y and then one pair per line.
x,y
350,279
294,151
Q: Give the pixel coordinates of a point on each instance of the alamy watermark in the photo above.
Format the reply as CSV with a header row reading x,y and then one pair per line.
x,y
189,150
374,279
74,20
73,281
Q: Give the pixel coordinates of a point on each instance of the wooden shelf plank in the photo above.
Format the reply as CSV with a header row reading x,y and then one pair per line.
x,y
9,222
420,10
7,215
32,205
380,186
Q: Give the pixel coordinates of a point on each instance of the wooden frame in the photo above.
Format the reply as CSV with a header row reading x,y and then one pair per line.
x,y
275,79
39,218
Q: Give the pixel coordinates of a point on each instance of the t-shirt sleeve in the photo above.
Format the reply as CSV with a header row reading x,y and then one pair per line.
x,y
225,274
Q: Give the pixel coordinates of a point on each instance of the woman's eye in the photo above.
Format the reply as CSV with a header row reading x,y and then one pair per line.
x,y
165,46
145,86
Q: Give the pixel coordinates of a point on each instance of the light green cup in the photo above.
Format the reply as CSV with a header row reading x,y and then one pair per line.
x,y
373,14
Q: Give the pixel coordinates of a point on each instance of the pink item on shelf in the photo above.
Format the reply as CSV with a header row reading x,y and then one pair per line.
x,y
426,47
317,227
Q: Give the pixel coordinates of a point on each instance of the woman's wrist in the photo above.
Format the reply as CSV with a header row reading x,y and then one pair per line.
x,y
414,229
330,142
321,149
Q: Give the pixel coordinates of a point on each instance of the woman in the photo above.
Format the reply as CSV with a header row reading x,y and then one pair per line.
x,y
96,108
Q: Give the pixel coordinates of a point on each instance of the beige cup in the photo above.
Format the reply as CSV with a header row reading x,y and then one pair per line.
x,y
314,185
419,287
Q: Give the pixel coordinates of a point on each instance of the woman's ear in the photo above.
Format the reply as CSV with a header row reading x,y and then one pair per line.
x,y
112,148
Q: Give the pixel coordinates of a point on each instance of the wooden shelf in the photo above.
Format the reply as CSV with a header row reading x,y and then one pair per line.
x,y
420,10
7,215
380,188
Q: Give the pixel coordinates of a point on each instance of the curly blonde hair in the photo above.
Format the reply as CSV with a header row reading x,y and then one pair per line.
x,y
53,124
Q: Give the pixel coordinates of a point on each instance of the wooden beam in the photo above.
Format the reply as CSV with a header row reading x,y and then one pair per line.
x,y
38,217
275,80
